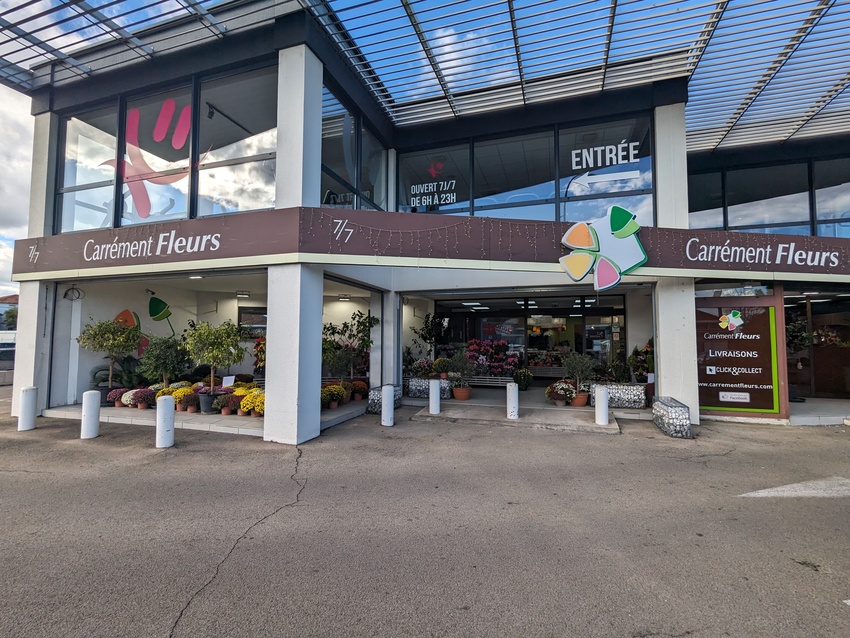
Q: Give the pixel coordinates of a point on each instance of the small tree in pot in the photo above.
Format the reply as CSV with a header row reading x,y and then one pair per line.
x,y
217,346
579,368
164,358
115,339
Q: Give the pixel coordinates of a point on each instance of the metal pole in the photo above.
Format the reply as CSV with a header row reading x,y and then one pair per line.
x,y
90,425
513,401
165,421
433,396
26,419
601,400
387,405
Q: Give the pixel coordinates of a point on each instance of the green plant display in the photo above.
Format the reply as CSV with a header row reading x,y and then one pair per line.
x,y
216,346
164,358
523,378
578,367
112,338
345,348
432,331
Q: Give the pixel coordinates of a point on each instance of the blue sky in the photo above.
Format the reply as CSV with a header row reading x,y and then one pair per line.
x,y
16,125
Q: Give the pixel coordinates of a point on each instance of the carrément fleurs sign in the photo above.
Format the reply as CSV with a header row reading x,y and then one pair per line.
x,y
613,245
736,359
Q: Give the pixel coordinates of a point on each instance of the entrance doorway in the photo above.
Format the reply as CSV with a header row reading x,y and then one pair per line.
x,y
817,332
542,328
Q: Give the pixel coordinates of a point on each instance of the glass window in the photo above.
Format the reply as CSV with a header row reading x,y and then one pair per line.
x,y
336,194
591,209
436,180
339,139
238,143
603,160
705,201
770,195
156,160
832,189
88,170
517,171
373,170
800,229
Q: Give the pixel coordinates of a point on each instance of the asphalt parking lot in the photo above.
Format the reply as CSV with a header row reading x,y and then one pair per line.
x,y
423,529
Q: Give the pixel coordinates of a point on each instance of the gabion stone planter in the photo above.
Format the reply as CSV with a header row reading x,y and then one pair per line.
x,y
672,417
376,400
419,388
621,395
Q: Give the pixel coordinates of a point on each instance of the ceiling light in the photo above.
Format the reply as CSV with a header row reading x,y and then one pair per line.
x,y
243,294
344,298
481,308
818,300
575,315
196,277
469,303
809,294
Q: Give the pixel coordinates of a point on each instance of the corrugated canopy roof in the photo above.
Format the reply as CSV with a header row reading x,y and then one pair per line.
x,y
758,71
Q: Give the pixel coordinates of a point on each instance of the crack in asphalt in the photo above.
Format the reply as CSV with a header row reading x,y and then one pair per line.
x,y
26,472
654,634
301,483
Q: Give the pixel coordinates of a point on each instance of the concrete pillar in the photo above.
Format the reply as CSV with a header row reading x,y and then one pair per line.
x,y
391,343
392,180
376,308
32,342
43,174
671,167
299,128
293,353
676,343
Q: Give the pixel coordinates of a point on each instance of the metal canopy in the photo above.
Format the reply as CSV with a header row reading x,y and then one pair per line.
x,y
758,70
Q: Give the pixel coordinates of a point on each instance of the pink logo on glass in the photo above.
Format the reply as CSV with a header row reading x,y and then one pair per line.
x,y
136,171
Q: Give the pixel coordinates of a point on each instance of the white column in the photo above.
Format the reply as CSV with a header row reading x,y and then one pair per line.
x,y
377,310
293,353
675,342
32,342
74,351
670,157
43,174
299,128
392,179
391,344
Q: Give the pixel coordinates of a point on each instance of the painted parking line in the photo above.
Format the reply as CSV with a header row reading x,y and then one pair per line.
x,y
833,487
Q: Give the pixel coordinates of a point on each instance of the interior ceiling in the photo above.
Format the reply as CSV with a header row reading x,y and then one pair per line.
x,y
758,70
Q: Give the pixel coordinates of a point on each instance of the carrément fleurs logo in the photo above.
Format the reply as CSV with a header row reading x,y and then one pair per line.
x,y
731,321
609,247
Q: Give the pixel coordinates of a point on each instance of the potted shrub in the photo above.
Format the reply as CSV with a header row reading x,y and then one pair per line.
x,y
560,392
164,359
523,378
345,348
360,390
431,332
179,395
127,398
461,369
190,401
422,368
335,394
579,368
114,396
325,397
144,398
114,339
227,404
442,366
216,346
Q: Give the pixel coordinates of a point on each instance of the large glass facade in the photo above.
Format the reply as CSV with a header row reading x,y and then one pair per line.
x,y
229,161
354,162
238,143
87,179
524,177
790,199
604,165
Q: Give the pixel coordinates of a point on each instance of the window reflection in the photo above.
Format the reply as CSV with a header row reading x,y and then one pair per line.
x,y
515,171
770,195
705,201
435,180
832,189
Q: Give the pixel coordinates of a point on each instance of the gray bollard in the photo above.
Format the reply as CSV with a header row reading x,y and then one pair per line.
x,y
433,396
165,421
601,399
513,401
26,416
387,405
90,425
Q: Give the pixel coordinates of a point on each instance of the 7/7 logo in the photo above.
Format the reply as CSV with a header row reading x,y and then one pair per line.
x,y
341,229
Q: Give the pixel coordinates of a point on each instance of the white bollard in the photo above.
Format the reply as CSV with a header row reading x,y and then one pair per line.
x,y
601,400
26,418
90,425
387,405
433,396
513,401
165,421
